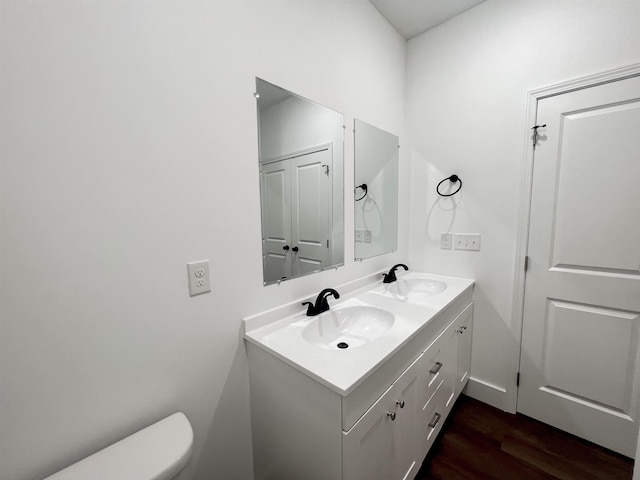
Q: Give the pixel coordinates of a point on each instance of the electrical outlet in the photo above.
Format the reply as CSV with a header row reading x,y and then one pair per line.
x,y
367,236
358,235
466,241
198,277
445,240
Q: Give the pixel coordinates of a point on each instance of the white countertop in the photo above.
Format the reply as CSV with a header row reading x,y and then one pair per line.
x,y
343,370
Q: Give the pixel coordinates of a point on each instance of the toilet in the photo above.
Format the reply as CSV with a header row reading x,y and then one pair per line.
x,y
158,452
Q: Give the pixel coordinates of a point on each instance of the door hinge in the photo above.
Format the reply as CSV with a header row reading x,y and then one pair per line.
x,y
327,243
526,263
518,379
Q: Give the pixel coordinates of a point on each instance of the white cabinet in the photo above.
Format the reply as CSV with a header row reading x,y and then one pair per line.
x,y
382,444
382,429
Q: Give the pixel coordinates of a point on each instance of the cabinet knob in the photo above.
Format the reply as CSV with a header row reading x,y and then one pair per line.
x,y
464,327
295,249
392,415
285,248
400,403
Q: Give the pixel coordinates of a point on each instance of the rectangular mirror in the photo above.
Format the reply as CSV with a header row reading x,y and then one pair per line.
x,y
376,190
301,184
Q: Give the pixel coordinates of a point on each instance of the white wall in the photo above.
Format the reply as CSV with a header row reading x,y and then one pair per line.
x,y
466,85
128,148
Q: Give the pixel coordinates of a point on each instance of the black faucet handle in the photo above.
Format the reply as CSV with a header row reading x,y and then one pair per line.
x,y
310,308
389,277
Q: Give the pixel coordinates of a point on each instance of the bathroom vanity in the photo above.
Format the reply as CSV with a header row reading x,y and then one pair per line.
x,y
372,409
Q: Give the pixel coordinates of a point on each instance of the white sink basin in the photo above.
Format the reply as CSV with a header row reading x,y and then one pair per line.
x,y
348,327
414,288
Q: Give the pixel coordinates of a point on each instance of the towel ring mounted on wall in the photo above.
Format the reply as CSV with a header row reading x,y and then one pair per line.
x,y
364,189
452,179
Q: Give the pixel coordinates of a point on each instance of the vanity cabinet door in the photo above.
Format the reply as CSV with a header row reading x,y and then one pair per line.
x,y
366,448
465,330
382,445
405,433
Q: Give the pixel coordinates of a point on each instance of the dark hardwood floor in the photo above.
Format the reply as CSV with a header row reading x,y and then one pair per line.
x,y
482,442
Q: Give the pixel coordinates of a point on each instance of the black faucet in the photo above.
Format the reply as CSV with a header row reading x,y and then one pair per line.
x,y
391,276
321,302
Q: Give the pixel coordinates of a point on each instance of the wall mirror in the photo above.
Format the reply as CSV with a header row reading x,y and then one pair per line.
x,y
376,190
301,184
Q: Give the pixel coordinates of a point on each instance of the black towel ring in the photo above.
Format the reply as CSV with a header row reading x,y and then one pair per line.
x,y
364,189
452,179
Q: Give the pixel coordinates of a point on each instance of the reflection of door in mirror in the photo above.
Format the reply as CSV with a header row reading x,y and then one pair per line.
x,y
376,191
301,184
296,203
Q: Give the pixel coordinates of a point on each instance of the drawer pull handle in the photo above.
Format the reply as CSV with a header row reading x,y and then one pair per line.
x,y
436,368
392,415
434,421
400,403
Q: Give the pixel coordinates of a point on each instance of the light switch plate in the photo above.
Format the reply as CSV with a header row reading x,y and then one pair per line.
x,y
199,280
359,235
367,236
466,241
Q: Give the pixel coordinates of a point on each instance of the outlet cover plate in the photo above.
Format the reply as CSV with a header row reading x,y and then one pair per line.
x,y
199,280
446,240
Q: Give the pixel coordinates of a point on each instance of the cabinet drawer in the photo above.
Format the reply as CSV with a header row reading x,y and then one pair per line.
x,y
433,373
433,416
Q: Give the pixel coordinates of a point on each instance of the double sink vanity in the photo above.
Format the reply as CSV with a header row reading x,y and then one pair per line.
x,y
361,390
358,384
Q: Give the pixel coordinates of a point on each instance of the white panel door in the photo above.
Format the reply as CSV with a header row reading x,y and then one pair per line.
x,y
582,297
276,220
311,207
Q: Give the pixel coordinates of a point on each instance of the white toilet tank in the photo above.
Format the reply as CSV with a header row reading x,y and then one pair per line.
x,y
157,452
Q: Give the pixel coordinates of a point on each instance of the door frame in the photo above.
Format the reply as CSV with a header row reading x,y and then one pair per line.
x,y
524,210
